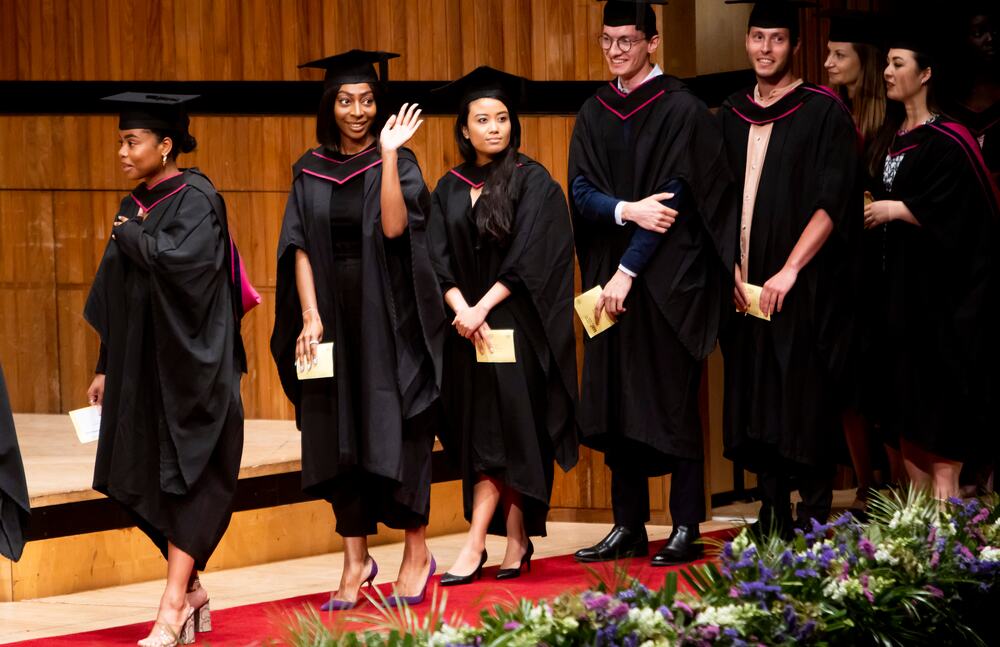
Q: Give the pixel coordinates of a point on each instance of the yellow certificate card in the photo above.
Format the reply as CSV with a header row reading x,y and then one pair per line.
x,y
753,293
503,348
585,304
323,366
87,423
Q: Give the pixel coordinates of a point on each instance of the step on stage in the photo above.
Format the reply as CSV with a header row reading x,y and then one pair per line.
x,y
79,540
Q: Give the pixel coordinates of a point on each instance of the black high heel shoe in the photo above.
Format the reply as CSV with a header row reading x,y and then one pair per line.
x,y
454,580
511,573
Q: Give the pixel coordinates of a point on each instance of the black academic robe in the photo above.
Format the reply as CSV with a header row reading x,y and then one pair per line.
x,y
369,425
14,507
639,392
510,420
984,126
934,370
164,305
784,378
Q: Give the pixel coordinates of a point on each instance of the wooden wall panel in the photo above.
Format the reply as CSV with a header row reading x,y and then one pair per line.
x,y
266,39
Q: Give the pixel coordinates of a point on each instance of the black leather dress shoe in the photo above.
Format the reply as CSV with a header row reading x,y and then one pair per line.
x,y
620,543
680,547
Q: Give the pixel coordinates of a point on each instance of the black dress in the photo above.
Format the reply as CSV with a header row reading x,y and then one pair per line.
x,y
14,508
172,419
933,371
509,421
367,433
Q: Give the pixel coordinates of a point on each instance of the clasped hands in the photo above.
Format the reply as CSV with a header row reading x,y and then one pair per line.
x,y
470,322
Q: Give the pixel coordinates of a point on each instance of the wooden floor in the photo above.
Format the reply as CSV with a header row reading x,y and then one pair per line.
x,y
133,603
61,470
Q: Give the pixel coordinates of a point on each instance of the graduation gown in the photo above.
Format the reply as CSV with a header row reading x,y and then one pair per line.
x,y
933,371
165,307
984,126
510,420
639,391
379,302
784,378
14,507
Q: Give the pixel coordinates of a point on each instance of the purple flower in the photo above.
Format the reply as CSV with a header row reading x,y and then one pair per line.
x,y
680,604
867,547
935,559
711,632
512,626
595,602
935,591
665,612
734,592
618,612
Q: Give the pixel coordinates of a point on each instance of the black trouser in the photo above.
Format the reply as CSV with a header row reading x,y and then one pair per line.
x,y
815,485
630,495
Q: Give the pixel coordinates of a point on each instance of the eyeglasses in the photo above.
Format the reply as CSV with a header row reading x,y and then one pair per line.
x,y
624,44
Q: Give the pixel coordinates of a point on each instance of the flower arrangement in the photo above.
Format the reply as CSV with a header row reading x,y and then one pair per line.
x,y
918,572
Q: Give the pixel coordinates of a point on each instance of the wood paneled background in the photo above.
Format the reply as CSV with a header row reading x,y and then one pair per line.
x,y
60,183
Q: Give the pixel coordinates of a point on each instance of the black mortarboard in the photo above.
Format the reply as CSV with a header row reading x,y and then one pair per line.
x,y
354,66
916,36
639,13
848,26
484,81
153,111
775,14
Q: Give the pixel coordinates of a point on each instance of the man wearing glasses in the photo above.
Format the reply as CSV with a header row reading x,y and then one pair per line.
x,y
654,219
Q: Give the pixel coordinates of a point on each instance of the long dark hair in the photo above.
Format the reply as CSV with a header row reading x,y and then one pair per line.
x,y
327,131
495,215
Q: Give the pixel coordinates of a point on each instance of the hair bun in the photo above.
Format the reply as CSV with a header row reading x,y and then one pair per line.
x,y
188,143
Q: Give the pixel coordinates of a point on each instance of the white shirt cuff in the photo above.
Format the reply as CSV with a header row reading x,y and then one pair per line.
x,y
627,270
618,213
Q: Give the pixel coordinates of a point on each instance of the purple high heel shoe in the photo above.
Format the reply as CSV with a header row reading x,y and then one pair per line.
x,y
410,600
344,605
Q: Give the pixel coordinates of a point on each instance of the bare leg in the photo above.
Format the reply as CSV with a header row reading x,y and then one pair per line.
x,y
856,433
355,569
197,596
517,538
897,471
918,469
946,473
485,497
174,608
416,563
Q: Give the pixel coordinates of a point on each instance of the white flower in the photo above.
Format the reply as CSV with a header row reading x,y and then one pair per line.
x,y
990,554
731,615
649,623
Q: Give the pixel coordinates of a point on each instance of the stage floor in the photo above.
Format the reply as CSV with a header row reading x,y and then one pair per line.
x,y
122,605
59,469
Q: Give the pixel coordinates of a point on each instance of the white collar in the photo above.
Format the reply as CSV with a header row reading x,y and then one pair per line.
x,y
652,75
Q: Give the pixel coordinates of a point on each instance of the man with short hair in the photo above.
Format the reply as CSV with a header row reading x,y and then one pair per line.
x,y
793,148
654,220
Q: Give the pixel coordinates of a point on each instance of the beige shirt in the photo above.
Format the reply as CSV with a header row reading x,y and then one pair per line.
x,y
757,142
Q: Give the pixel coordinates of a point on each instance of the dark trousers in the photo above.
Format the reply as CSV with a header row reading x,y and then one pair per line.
x,y
815,485
630,495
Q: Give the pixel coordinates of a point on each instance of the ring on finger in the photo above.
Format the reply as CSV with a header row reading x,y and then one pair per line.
x,y
314,343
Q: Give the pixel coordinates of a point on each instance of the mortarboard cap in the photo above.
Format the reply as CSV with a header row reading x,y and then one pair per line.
x,y
354,66
484,81
639,13
775,14
848,26
915,35
153,111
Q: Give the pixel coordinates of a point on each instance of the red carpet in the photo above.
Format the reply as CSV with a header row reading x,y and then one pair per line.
x,y
253,624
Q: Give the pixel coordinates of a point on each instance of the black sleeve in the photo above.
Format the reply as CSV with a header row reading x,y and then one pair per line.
x,y
102,361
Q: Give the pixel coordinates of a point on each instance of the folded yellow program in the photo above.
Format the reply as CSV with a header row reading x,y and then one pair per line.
x,y
753,293
323,366
585,304
869,198
503,348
